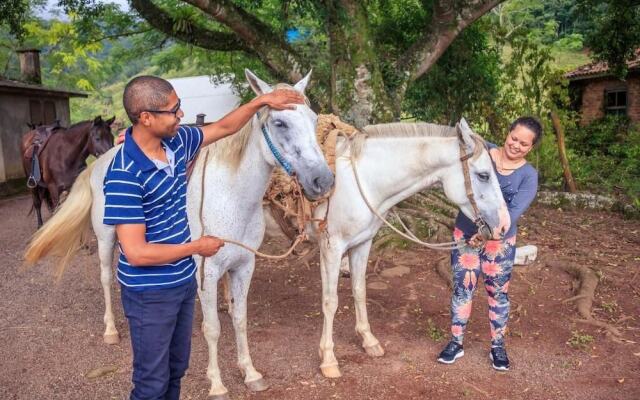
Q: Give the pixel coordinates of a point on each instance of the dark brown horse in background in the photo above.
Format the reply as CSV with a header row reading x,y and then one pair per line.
x,y
62,154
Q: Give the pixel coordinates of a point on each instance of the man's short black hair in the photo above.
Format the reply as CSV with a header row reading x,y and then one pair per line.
x,y
530,123
145,93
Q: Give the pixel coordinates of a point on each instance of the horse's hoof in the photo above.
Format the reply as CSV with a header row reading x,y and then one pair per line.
x,y
224,396
345,274
112,338
331,371
374,351
258,385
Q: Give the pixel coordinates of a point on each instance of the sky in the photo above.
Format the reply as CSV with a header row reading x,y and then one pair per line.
x,y
49,10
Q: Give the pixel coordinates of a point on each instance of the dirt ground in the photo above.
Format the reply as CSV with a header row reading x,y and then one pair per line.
x,y
52,333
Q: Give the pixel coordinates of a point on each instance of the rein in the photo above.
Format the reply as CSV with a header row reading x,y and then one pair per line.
x,y
481,224
483,227
446,246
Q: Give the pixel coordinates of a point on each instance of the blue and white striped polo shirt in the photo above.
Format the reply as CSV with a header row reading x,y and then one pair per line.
x,y
138,192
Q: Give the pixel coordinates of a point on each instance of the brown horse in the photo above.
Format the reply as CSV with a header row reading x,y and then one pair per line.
x,y
62,154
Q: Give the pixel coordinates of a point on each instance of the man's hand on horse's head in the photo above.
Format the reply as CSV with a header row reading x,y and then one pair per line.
x,y
282,99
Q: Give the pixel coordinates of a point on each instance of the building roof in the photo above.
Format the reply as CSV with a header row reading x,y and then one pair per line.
x,y
201,95
600,68
7,85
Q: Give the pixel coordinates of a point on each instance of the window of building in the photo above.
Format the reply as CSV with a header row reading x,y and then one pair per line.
x,y
49,112
35,112
42,112
615,102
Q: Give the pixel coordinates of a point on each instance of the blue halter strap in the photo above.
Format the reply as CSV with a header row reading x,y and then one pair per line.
x,y
284,163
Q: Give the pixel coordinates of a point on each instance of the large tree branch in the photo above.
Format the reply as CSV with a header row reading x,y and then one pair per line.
x,y
269,46
120,35
449,19
191,33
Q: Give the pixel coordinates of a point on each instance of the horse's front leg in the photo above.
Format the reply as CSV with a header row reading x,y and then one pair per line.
x,y
106,241
211,327
329,269
358,257
240,279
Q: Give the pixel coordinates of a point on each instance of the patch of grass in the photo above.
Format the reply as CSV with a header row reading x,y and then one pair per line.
x,y
580,340
610,307
436,334
566,60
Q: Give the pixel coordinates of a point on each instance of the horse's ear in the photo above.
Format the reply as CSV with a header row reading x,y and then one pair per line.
x,y
466,132
258,85
31,126
97,120
110,121
302,83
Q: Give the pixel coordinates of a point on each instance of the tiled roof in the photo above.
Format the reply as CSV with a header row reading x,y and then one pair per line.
x,y
600,68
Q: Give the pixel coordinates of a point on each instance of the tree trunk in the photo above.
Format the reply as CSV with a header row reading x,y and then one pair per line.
x,y
570,184
358,93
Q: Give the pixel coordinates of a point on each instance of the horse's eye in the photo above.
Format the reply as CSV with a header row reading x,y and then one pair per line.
x,y
278,123
484,177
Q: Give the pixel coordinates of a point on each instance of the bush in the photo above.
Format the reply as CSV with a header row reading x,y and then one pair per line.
x,y
605,157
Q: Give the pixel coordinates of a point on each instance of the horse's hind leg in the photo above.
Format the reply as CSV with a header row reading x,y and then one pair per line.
x,y
106,242
54,195
240,281
36,194
358,257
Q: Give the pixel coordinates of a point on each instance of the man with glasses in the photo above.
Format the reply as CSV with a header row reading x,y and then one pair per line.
x,y
145,198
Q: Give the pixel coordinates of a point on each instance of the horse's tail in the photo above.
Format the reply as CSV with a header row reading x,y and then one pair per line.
x,y
67,229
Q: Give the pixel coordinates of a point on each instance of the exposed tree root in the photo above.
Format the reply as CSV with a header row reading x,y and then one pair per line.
x,y
574,298
588,281
443,268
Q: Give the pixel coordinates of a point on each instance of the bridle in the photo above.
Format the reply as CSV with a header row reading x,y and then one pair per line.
x,y
483,227
302,235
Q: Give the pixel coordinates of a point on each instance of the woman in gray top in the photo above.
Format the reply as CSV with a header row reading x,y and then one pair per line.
x,y
519,184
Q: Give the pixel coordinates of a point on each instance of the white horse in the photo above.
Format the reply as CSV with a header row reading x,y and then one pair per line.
x,y
394,161
236,175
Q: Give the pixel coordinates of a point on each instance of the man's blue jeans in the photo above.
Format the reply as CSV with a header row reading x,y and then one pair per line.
x,y
160,323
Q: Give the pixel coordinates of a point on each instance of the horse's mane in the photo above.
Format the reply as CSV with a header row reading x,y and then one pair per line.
x,y
231,149
409,130
77,125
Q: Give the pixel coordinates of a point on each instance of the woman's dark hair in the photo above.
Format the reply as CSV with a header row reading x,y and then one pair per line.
x,y
530,123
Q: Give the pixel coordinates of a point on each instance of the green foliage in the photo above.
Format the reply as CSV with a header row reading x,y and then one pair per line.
x,y
572,42
606,156
464,82
14,13
614,31
544,21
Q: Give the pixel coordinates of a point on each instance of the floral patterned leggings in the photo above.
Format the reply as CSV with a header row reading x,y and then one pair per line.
x,y
495,260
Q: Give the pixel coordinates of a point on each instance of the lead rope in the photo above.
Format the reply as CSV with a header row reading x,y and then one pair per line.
x,y
300,238
446,246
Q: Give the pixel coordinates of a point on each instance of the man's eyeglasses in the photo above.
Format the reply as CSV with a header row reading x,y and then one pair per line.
x,y
173,111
